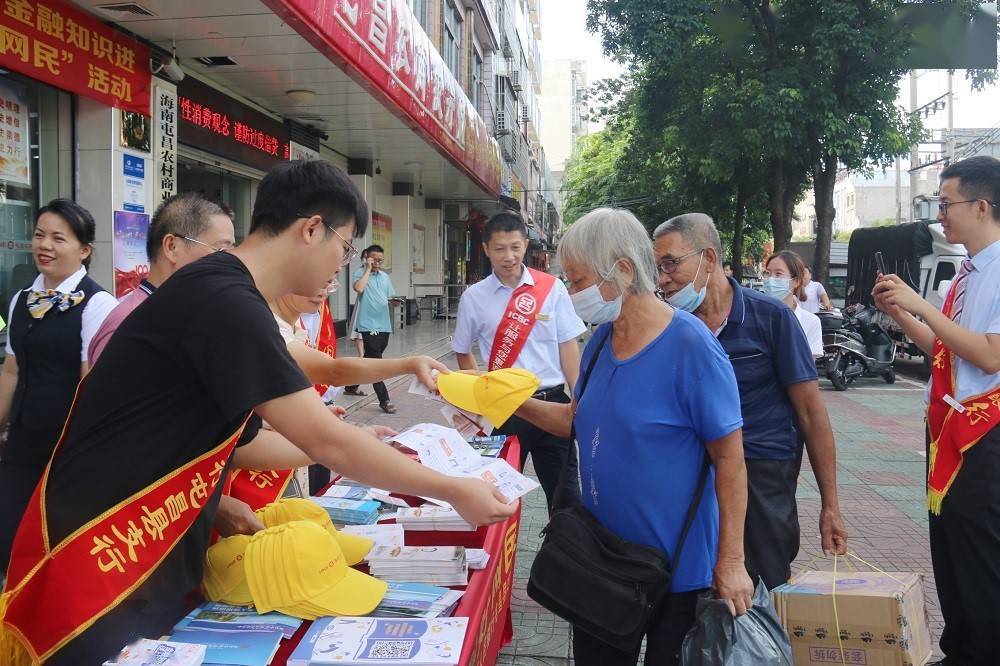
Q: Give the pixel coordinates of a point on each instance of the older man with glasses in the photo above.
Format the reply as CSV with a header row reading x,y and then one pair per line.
x,y
779,393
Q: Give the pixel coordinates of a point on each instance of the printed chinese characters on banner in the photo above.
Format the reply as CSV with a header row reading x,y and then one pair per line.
x,y
57,43
15,161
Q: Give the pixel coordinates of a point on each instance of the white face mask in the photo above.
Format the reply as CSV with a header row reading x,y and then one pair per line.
x,y
591,306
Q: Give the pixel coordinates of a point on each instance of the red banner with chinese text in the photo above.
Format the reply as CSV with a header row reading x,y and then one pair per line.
x,y
58,44
381,45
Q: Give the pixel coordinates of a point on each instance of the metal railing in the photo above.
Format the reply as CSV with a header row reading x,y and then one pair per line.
x,y
442,305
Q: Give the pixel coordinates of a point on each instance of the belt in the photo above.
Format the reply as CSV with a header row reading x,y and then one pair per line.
x,y
549,393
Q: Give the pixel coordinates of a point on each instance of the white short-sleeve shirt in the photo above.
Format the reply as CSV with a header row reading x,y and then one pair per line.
x,y
97,308
981,314
814,290
812,327
481,308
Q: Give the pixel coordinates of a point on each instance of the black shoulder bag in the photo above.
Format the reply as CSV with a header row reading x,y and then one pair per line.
x,y
592,578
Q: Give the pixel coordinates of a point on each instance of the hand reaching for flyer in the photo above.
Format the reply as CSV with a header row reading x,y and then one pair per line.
x,y
424,368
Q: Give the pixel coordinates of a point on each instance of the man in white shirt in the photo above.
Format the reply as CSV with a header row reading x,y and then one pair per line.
x,y
963,342
545,342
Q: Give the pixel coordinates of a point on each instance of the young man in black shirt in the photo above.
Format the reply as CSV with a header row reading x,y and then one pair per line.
x,y
180,376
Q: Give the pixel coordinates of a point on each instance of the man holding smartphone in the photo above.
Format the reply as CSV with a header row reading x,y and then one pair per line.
x,y
963,440
374,322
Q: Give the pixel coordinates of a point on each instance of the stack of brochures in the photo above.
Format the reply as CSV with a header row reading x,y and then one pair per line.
x,y
235,635
390,535
417,600
393,642
347,492
350,512
477,558
435,565
430,518
161,653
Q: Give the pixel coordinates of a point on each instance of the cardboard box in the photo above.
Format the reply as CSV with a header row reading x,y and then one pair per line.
x,y
883,619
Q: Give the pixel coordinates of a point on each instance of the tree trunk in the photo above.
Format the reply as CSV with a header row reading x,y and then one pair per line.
x,y
783,195
824,183
739,222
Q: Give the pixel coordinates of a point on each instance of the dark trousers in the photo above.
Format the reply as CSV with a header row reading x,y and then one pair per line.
x,y
771,532
548,452
25,456
664,637
965,552
375,344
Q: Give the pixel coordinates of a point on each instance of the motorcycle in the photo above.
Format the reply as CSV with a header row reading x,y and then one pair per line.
x,y
855,345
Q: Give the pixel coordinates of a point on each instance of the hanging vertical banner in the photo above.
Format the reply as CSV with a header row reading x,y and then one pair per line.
x,y
131,263
166,143
15,161
63,46
382,235
418,257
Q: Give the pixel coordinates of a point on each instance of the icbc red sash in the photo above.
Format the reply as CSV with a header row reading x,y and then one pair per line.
x,y
518,319
326,339
954,427
53,594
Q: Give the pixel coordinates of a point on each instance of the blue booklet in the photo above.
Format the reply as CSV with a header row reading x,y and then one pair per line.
x,y
350,512
232,648
215,616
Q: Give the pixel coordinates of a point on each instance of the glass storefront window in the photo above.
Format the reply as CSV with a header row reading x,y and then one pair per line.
x,y
35,135
218,184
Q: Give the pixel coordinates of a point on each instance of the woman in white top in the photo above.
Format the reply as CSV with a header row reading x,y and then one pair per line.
x,y
783,279
51,324
813,297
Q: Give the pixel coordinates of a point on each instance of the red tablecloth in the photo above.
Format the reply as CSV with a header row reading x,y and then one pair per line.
x,y
486,601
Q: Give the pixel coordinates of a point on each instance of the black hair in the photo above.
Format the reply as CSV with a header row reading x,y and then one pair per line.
x,y
503,222
978,178
727,264
184,214
298,188
77,217
373,248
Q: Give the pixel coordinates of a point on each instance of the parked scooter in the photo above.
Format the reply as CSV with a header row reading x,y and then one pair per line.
x,y
855,345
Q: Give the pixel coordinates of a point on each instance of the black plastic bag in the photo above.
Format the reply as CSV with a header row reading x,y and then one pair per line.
x,y
719,639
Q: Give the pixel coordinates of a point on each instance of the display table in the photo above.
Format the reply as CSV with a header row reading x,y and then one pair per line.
x,y
486,601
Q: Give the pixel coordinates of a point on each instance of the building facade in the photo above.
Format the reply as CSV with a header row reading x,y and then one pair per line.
x,y
431,106
565,107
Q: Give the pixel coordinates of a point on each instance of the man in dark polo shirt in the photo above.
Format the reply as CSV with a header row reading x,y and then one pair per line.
x,y
209,340
779,393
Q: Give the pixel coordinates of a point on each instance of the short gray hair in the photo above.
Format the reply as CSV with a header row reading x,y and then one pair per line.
x,y
697,229
605,235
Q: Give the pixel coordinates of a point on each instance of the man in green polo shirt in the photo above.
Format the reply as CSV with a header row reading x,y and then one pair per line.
x,y
374,288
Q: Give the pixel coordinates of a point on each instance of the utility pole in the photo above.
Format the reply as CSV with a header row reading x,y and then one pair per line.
x,y
914,150
899,192
951,116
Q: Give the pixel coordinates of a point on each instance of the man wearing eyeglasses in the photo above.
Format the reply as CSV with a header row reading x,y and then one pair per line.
x,y
185,228
374,289
963,440
779,394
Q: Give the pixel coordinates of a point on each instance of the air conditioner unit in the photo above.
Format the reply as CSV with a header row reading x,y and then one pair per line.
x,y
502,128
515,80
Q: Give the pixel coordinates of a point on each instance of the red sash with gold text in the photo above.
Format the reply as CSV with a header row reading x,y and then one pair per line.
x,y
326,339
519,319
954,427
54,594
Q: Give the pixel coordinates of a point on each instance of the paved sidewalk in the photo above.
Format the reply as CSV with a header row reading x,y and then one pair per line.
x,y
880,470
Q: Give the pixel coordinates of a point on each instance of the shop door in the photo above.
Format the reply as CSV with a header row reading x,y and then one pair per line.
x,y
218,184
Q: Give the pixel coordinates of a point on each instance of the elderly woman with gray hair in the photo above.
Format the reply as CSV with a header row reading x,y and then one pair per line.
x,y
667,399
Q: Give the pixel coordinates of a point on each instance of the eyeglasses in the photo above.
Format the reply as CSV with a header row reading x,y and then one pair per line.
x,y
210,247
350,252
668,266
943,205
377,261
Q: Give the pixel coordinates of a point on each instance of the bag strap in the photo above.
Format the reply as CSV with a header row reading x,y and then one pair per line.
x,y
692,511
556,501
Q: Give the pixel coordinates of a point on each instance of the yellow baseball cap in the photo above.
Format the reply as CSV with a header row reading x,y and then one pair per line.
x,y
496,395
286,510
299,569
225,576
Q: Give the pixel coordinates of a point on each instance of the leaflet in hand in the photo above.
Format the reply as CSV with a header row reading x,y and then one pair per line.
x,y
467,423
356,641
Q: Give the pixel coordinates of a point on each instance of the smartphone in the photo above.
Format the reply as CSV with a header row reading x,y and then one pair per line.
x,y
880,264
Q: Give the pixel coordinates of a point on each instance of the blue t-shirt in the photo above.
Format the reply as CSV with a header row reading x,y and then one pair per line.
x,y
374,314
642,425
769,353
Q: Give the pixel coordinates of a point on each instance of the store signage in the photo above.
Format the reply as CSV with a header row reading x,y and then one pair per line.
x,y
215,122
134,174
380,44
15,160
55,42
166,143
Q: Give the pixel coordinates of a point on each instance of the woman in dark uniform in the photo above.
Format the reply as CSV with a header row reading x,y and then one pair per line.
x,y
51,323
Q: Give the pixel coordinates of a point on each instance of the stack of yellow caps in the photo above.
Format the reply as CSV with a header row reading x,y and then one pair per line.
x,y
299,569
287,510
299,565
